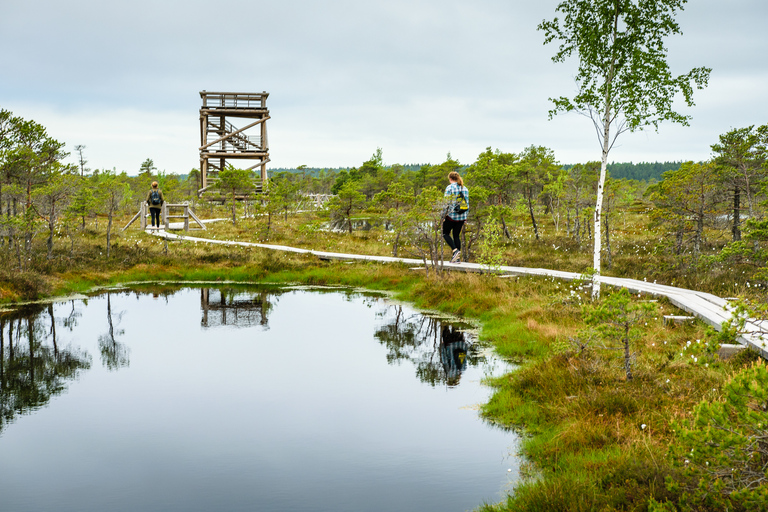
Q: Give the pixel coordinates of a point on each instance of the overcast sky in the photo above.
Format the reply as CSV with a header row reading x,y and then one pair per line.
x,y
417,78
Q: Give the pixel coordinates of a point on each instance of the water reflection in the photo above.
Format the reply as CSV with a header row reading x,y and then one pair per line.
x,y
227,307
438,349
318,411
114,354
33,366
453,353
342,225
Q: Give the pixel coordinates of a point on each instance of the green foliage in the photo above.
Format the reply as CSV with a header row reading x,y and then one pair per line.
x,y
494,171
490,254
370,177
435,176
347,202
234,181
622,59
82,204
282,195
723,450
536,167
112,194
617,319
52,199
508,182
147,166
688,200
398,199
641,171
493,193
740,157
422,228
29,159
756,234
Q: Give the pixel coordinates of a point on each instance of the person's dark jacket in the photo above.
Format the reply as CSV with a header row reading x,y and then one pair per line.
x,y
149,199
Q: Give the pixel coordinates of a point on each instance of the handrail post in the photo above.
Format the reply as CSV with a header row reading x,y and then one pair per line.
x,y
186,217
165,216
143,216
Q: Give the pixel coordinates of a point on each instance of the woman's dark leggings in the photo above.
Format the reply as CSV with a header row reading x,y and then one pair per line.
x,y
452,227
155,215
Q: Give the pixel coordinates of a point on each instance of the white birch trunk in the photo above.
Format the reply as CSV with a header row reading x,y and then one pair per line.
x,y
608,102
603,166
599,201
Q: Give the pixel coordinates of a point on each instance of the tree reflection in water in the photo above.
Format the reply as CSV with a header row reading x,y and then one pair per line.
x,y
439,349
114,354
33,367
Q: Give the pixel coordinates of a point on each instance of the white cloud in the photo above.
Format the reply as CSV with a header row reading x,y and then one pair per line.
x,y
417,78
122,138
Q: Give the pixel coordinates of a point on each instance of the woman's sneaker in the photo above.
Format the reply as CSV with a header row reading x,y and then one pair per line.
x,y
456,258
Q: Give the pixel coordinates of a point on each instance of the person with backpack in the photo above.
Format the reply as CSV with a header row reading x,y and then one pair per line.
x,y
453,353
456,214
155,201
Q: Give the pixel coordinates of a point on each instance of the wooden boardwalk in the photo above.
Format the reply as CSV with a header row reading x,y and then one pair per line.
x,y
711,309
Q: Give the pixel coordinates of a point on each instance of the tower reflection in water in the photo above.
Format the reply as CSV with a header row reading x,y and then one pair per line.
x,y
228,307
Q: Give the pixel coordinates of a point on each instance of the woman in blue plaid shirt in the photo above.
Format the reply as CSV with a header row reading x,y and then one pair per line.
x,y
456,215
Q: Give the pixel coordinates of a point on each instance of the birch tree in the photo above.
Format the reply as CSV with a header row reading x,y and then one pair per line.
x,y
623,79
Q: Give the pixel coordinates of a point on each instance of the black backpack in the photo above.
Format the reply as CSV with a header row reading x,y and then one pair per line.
x,y
461,205
154,197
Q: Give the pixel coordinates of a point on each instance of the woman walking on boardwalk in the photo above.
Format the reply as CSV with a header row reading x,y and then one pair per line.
x,y
456,215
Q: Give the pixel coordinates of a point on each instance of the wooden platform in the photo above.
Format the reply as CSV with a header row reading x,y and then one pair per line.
x,y
709,308
221,141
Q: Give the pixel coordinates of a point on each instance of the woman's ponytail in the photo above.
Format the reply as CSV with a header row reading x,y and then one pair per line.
x,y
453,175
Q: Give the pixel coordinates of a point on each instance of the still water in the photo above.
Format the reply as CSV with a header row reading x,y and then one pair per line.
x,y
195,399
342,225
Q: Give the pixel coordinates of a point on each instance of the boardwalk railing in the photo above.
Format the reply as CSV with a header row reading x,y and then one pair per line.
x,y
167,211
318,200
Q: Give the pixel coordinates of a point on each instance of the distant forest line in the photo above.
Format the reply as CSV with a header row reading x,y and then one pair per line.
x,y
641,171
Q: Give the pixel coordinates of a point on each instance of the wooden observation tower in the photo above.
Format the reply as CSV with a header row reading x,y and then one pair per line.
x,y
221,140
